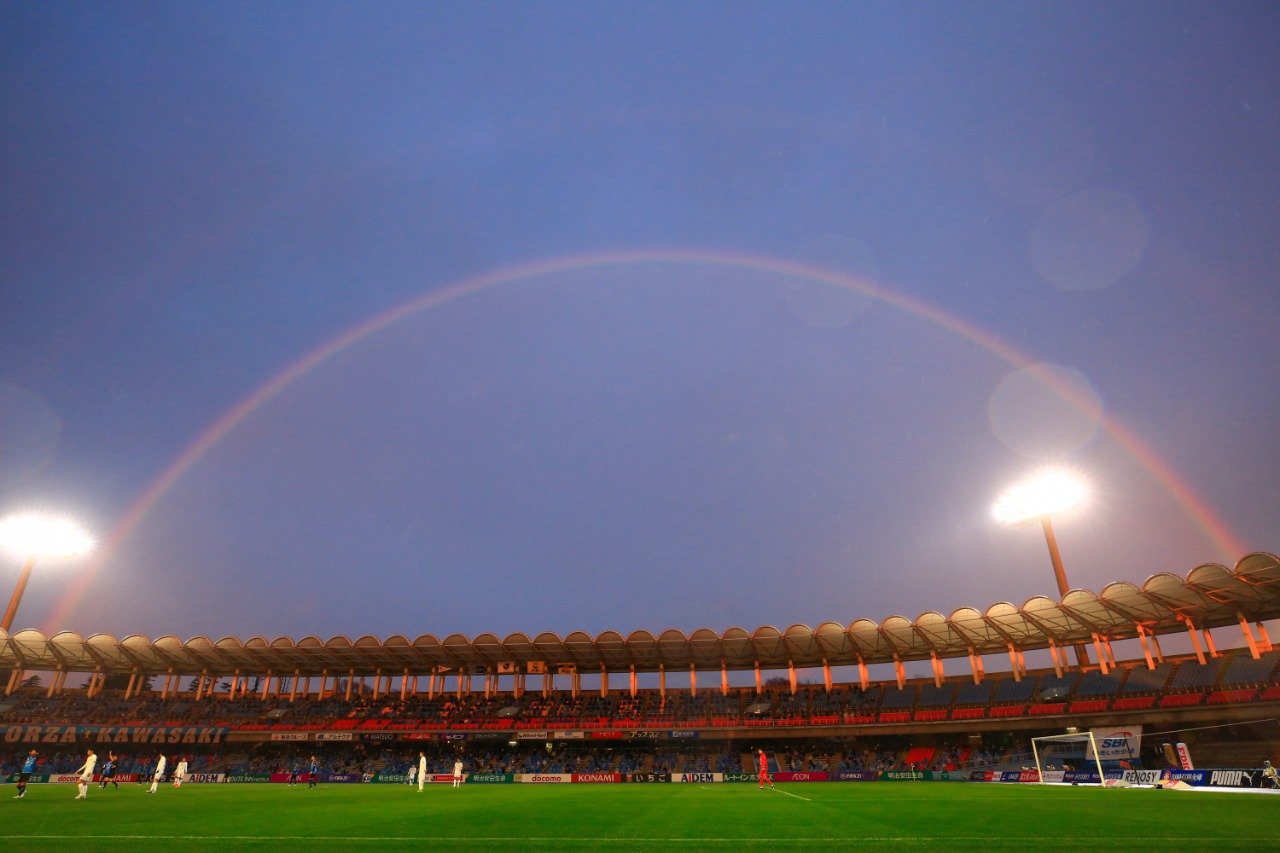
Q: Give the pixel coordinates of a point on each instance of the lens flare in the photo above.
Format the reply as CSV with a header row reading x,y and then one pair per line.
x,y
1048,494
33,535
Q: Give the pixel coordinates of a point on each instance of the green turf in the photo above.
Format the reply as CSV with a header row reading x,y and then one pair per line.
x,y
738,817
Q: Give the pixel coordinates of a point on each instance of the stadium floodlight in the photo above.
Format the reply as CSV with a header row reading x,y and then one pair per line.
x,y
32,535
1048,494
1051,493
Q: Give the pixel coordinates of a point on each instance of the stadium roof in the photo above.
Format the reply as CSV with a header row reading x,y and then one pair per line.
x,y
1210,596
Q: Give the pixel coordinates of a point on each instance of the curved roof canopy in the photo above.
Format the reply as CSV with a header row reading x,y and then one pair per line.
x,y
1210,596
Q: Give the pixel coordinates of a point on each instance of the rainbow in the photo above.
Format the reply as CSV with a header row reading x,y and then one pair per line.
x,y
1195,509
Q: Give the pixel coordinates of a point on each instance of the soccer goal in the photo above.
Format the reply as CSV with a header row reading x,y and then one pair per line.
x,y
1057,752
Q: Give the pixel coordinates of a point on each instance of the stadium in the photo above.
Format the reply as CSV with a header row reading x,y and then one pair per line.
x,y
516,709
574,426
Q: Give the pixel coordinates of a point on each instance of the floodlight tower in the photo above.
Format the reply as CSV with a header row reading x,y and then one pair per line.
x,y
1039,500
29,536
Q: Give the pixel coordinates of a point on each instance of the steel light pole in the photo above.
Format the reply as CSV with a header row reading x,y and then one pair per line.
x,y
32,536
1039,500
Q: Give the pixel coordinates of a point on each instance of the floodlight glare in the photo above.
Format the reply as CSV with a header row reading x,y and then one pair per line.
x,y
1038,500
30,535
1045,496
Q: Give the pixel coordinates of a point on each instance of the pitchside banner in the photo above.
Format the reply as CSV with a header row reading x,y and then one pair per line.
x,y
702,778
853,776
800,776
546,777
491,778
1117,743
115,734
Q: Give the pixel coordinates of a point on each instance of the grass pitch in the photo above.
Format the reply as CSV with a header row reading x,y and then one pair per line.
x,y
688,817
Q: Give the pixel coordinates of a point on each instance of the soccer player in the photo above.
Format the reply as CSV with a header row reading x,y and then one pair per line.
x,y
28,767
413,770
180,773
86,774
422,770
457,771
293,773
1270,778
762,762
158,775
315,773
109,772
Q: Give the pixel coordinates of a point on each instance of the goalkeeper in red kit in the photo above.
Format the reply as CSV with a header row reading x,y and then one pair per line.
x,y
762,763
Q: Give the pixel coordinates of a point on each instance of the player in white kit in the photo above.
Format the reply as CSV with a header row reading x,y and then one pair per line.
x,y
158,775
86,775
180,773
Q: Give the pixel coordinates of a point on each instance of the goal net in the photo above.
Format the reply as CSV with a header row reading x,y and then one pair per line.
x,y
1066,752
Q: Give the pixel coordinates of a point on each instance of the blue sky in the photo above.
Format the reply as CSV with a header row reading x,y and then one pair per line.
x,y
197,196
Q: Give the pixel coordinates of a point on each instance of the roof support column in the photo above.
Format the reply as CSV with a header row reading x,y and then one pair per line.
x,y
13,678
404,683
293,686
1155,645
693,681
1195,640
168,679
547,684
1102,658
975,666
662,682
938,672
724,679
1248,636
53,682
351,677
1208,641
575,683
377,683
633,681
863,678
199,686
133,679
900,671
266,686
62,681
1013,662
604,682
1146,647
791,675
1054,652
826,674
1263,639
759,683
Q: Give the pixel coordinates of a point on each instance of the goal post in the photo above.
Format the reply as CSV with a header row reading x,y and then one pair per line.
x,y
1078,747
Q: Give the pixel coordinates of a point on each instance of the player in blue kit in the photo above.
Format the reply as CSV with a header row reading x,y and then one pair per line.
x,y
28,767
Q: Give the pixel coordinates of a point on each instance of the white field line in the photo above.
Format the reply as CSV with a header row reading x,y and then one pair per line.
x,y
789,794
